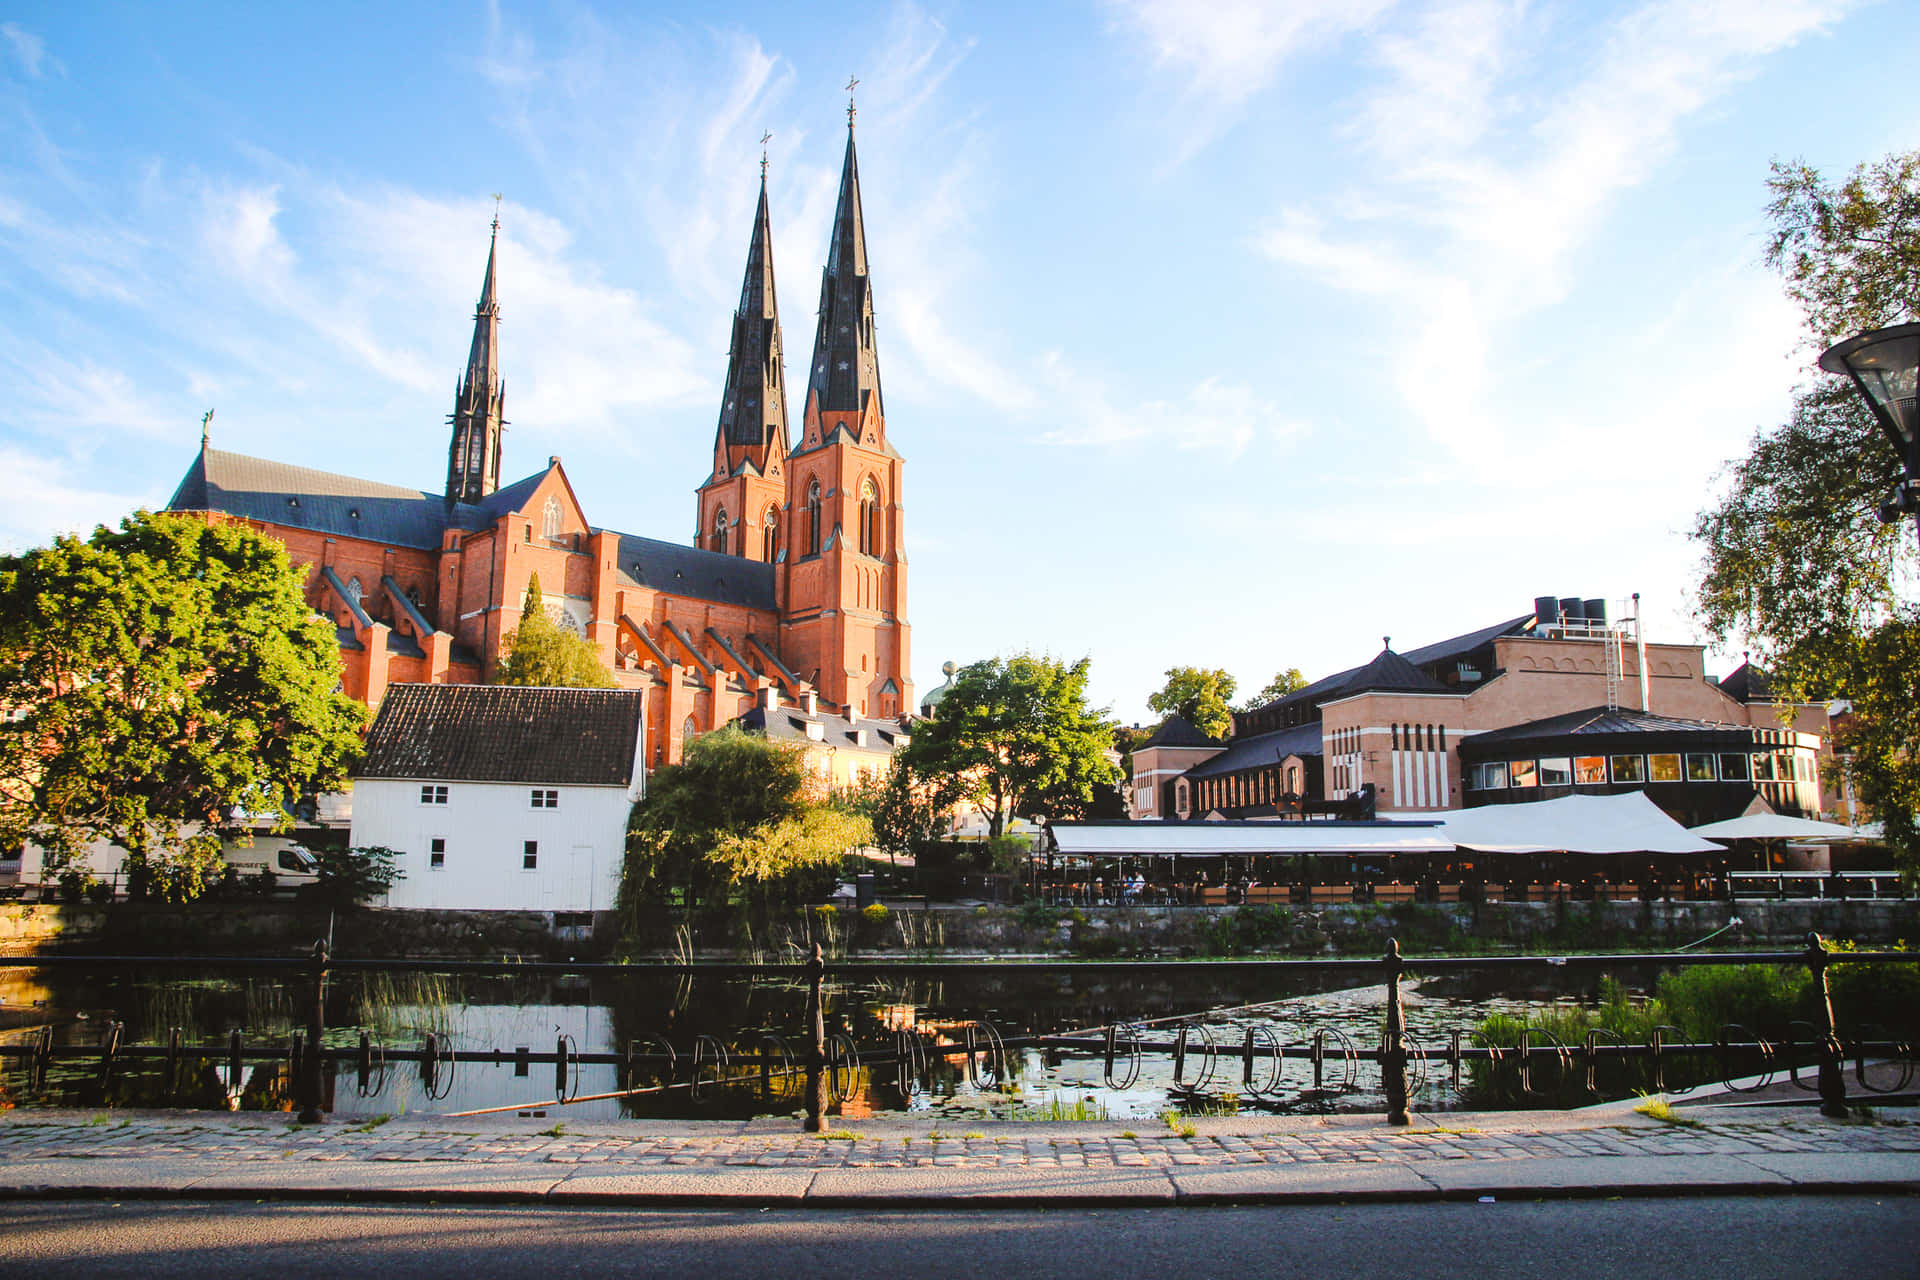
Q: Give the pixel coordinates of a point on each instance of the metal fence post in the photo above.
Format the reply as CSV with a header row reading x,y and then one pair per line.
x,y
310,1061
816,1121
1393,1047
1833,1080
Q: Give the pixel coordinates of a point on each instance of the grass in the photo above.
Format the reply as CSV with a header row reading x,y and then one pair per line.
x,y
1178,1124
1056,1111
370,1125
1659,1109
555,1132
837,1135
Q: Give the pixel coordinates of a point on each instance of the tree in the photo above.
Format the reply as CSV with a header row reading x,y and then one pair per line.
x,y
540,651
1282,684
902,808
1795,560
1200,696
738,816
348,877
1015,737
159,678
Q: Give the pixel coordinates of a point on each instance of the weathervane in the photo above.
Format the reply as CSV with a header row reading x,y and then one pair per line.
x,y
206,421
497,198
851,84
765,138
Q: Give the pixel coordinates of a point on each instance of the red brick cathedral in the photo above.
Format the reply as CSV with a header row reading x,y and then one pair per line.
x,y
794,592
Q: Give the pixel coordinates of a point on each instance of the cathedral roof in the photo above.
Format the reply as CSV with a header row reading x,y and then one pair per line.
x,y
846,363
689,571
302,498
753,406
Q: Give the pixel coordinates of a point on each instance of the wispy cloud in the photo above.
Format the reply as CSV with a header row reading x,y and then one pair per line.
x,y
30,51
1213,416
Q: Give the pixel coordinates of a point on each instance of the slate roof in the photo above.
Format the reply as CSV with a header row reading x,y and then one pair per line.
x,y
1596,722
300,497
1748,683
1261,751
690,571
1177,731
504,733
1391,673
1453,648
789,724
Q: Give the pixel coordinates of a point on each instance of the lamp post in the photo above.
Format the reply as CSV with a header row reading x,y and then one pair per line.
x,y
1885,367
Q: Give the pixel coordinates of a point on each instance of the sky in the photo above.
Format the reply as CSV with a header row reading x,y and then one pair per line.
x,y
1233,334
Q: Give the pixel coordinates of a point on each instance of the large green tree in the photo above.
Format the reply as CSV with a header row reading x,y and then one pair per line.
x,y
738,818
539,651
1283,683
154,679
1015,737
1201,696
1796,563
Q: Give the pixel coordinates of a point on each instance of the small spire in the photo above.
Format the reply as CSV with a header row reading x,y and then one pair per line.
x,y
1386,642
852,84
765,138
206,421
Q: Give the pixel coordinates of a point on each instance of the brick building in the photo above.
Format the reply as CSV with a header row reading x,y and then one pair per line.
x,y
1554,702
792,600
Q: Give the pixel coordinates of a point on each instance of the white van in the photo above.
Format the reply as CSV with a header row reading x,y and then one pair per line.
x,y
290,862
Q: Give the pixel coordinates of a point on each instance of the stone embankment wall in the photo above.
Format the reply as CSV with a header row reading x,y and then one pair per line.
x,y
272,929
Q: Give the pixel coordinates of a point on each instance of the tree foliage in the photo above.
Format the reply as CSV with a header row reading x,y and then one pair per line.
x,y
539,651
1014,737
1796,563
158,677
738,817
1283,683
349,877
1201,696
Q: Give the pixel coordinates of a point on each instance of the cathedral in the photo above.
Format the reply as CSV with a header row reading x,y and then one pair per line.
x,y
788,612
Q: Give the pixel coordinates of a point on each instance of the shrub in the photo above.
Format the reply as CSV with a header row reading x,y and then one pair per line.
x,y
875,913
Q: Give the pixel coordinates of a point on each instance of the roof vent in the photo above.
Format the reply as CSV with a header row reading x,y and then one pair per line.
x,y
293,502
353,513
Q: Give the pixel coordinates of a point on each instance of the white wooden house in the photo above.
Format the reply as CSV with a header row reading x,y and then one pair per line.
x,y
501,798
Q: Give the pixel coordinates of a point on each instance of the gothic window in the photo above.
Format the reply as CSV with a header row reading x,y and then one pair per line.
x,y
355,591
772,526
550,519
813,518
869,519
719,542
687,731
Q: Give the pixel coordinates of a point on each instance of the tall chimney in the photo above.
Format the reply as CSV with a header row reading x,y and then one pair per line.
x,y
1640,647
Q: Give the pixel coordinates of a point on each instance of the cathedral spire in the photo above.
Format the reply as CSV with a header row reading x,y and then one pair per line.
x,y
473,456
846,364
753,407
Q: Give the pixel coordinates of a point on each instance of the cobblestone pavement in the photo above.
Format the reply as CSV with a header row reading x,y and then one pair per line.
x,y
1218,1142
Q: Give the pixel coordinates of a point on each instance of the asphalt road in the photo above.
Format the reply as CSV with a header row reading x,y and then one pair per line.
x,y
1853,1237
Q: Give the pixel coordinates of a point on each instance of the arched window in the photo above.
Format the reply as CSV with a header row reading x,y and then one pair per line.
x,y
772,540
550,519
355,590
813,518
687,731
719,540
869,519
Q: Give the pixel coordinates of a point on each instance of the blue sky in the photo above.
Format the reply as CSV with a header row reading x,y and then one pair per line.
x,y
1231,334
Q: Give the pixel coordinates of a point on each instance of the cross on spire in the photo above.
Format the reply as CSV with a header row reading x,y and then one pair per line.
x,y
852,84
765,138
497,198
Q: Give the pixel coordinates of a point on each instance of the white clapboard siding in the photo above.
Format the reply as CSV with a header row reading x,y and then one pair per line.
x,y
486,826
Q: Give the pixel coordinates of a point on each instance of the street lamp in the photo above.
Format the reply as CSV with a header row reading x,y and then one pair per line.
x,y
1885,366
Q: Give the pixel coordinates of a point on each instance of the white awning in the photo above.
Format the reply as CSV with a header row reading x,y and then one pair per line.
x,y
1625,823
1773,826
1216,839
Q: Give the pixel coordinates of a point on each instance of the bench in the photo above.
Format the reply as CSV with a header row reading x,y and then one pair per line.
x,y
1213,896
1394,892
1269,893
1330,893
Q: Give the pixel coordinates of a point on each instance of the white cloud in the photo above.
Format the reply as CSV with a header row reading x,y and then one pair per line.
x,y
1213,416
29,50
39,498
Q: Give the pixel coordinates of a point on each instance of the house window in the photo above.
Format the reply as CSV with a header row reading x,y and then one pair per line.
x,y
1763,768
1493,776
1663,768
529,855
540,799
813,518
1733,768
1629,768
1524,773
433,795
1700,768
1556,771
1589,771
550,519
719,540
437,853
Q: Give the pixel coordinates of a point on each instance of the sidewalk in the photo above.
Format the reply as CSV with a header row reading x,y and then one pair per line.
x,y
1603,1151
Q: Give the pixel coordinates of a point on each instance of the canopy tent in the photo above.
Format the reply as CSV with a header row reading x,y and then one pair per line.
x,y
1218,839
1773,826
1625,823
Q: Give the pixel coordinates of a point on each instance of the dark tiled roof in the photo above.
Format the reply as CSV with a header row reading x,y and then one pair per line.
x,y
1748,683
689,571
1391,673
276,492
1261,751
504,733
1177,731
1594,721
1452,649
